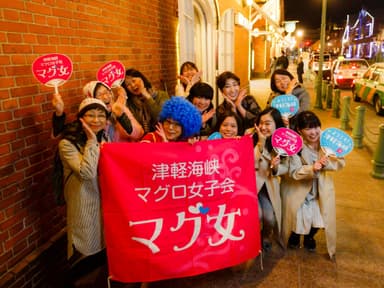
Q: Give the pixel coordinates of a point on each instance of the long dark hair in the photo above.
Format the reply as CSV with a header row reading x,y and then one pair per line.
x,y
276,116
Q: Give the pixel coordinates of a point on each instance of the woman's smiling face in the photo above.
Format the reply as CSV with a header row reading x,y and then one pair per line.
x,y
134,85
96,119
231,89
282,82
229,129
172,129
267,125
105,95
201,103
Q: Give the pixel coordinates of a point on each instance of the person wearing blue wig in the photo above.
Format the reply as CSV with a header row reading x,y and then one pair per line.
x,y
178,120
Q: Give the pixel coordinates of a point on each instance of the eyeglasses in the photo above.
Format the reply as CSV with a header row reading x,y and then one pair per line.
x,y
168,123
95,116
103,93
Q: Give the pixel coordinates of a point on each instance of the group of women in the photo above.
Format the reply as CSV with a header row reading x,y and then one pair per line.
x,y
135,112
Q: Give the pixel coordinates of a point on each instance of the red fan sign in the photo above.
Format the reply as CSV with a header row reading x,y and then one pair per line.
x,y
286,142
111,74
52,70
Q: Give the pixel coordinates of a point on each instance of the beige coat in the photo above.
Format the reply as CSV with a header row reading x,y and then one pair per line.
x,y
264,175
82,196
296,185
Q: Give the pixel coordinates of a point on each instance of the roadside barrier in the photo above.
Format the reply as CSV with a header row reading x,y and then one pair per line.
x,y
324,85
336,104
364,136
358,128
378,159
346,113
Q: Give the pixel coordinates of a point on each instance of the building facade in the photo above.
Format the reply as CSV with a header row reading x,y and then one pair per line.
x,y
364,36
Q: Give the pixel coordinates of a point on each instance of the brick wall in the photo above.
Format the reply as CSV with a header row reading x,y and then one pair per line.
x,y
140,34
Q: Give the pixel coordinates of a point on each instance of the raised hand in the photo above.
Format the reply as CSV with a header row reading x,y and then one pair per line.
x,y
207,115
292,84
196,78
118,106
58,104
88,131
160,131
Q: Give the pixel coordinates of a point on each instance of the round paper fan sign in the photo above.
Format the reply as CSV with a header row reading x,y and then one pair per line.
x,y
111,74
334,141
286,142
288,105
52,70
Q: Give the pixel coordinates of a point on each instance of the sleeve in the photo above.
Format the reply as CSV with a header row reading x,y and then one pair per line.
x,y
304,100
335,163
252,110
58,124
179,90
129,127
300,171
84,165
125,123
149,138
156,103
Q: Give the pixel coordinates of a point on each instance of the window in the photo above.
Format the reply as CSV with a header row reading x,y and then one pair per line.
x,y
226,41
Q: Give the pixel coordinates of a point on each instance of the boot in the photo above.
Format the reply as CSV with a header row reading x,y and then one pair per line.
x,y
294,241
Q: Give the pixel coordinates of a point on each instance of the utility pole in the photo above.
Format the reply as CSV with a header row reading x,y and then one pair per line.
x,y
319,80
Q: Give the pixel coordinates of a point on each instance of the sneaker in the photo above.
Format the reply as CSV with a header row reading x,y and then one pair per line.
x,y
294,241
309,243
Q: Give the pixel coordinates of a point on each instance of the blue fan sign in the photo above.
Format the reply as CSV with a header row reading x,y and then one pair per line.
x,y
288,105
335,141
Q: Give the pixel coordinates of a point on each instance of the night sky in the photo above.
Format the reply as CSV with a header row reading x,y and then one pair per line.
x,y
308,12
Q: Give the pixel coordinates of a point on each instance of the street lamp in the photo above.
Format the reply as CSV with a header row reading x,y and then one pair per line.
x,y
299,36
319,103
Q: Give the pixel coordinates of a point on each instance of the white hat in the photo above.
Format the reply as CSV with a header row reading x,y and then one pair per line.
x,y
91,103
89,88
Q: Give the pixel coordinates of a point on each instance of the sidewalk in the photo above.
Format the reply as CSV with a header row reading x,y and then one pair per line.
x,y
360,236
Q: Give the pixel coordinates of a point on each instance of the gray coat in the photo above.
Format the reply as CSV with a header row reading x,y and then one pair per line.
x,y
82,196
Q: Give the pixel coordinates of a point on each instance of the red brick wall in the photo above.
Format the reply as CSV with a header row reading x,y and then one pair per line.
x,y
140,34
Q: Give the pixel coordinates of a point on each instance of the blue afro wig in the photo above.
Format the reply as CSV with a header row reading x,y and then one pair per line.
x,y
184,112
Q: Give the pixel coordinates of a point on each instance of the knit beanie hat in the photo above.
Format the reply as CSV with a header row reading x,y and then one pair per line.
x,y
89,89
91,103
184,112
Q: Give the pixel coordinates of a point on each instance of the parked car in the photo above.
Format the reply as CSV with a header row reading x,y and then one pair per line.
x,y
370,88
344,71
327,63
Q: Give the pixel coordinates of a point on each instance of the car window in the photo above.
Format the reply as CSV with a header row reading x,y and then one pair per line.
x,y
353,65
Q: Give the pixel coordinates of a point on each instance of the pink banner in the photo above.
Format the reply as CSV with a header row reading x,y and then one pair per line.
x,y
175,209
